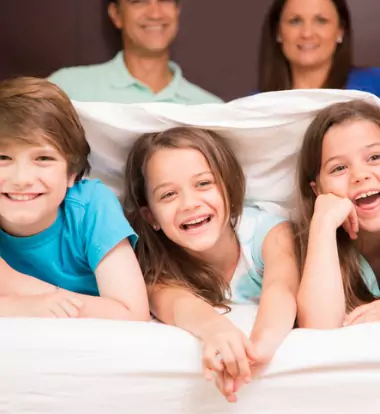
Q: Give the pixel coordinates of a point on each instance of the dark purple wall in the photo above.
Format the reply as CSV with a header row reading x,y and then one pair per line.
x,y
216,47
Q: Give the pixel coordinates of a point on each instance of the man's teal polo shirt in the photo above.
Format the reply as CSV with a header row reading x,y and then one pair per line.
x,y
112,82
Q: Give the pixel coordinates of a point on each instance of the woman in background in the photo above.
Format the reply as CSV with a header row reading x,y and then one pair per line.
x,y
307,44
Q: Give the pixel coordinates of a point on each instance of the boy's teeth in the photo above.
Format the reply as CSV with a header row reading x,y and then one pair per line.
x,y
368,194
21,197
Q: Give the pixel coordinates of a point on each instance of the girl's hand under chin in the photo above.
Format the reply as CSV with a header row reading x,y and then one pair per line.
x,y
336,211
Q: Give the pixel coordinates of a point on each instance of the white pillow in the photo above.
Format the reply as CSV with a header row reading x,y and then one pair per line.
x,y
265,131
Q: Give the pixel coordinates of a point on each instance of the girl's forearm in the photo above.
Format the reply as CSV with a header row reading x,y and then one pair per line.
x,y
181,308
275,317
321,300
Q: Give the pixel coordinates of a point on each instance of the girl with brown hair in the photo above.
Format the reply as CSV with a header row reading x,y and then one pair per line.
x,y
339,230
199,248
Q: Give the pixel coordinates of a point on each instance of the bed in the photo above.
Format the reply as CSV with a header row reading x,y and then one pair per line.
x,y
111,367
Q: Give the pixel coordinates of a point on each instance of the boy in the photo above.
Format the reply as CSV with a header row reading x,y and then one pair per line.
x,y
65,231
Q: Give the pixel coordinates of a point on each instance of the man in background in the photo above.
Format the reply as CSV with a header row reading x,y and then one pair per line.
x,y
142,71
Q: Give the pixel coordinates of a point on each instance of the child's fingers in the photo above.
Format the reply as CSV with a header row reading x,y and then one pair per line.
x,y
250,350
238,383
240,354
229,360
351,224
229,385
212,365
258,353
354,220
364,318
347,225
355,314
76,302
207,373
226,385
71,310
58,311
231,398
212,360
219,381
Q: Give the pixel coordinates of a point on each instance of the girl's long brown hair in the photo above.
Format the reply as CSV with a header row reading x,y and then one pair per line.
x,y
162,261
274,69
310,158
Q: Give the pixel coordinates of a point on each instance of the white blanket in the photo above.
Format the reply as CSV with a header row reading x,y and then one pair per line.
x,y
104,367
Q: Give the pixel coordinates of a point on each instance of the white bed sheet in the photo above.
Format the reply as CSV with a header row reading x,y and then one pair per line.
x,y
103,367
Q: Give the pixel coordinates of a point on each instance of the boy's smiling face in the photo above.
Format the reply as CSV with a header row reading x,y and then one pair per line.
x,y
33,183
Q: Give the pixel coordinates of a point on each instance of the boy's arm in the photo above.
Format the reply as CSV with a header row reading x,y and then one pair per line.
x,y
120,283
108,239
15,286
15,283
277,310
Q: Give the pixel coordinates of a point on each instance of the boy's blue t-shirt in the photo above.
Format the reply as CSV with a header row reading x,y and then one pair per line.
x,y
90,223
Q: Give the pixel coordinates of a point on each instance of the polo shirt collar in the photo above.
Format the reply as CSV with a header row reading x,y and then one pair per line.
x,y
119,74
120,77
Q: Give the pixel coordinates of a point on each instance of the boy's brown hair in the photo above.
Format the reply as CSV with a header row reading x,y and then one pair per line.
x,y
35,111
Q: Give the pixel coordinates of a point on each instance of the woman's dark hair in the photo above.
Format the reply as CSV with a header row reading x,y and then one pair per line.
x,y
274,68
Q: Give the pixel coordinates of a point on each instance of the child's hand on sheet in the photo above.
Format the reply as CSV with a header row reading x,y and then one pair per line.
x,y
229,386
369,312
225,347
60,304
